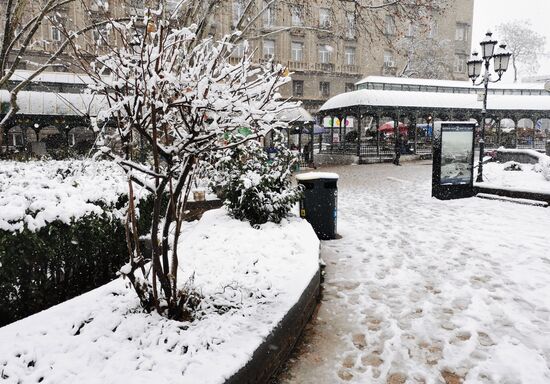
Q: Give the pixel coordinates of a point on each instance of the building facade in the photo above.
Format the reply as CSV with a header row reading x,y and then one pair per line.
x,y
327,50
324,43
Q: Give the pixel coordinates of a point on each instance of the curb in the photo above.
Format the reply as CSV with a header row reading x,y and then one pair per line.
x,y
514,194
274,351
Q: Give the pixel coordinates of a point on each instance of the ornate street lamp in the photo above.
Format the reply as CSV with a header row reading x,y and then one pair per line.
x,y
501,60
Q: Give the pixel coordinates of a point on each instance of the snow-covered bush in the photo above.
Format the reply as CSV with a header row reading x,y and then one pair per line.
x,y
61,232
513,166
181,96
545,167
256,185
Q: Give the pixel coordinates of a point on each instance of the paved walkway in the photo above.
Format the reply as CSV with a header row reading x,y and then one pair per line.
x,y
424,291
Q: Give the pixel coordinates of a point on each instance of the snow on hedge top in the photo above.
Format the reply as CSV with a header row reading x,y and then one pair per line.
x,y
103,336
35,193
530,152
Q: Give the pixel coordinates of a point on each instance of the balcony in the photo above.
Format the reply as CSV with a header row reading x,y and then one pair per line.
x,y
350,68
389,68
298,66
297,31
234,60
324,67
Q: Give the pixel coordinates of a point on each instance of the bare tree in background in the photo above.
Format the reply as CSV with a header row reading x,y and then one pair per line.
x,y
20,33
525,45
365,17
426,58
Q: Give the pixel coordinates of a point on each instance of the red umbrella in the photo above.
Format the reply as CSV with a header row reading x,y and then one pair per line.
x,y
388,128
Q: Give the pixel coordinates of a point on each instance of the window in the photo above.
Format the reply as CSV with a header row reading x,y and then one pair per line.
x,y
297,51
349,87
100,35
324,89
461,33
389,26
298,88
56,34
350,25
238,50
324,18
238,11
411,30
434,29
349,55
460,64
269,49
269,14
324,53
296,13
388,59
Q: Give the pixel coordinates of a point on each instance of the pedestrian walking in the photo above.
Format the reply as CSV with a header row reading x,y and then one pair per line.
x,y
397,150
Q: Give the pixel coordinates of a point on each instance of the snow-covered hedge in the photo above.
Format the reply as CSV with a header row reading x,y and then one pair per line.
x,y
35,193
255,275
61,232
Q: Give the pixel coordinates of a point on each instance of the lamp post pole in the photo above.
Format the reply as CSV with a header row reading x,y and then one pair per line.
x,y
500,61
483,119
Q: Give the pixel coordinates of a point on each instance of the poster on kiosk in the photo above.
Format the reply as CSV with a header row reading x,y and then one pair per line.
x,y
453,159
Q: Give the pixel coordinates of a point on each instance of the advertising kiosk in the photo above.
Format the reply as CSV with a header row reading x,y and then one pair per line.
x,y
453,159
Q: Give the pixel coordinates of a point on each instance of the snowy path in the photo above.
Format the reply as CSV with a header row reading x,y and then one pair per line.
x,y
424,291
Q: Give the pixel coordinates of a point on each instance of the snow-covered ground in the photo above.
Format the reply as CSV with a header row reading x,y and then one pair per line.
x,y
35,193
426,291
103,337
529,178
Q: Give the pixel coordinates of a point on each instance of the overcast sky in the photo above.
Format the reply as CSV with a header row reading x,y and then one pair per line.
x,y
489,13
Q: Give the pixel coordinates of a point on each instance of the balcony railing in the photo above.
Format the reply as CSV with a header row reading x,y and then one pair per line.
x,y
298,65
324,67
350,68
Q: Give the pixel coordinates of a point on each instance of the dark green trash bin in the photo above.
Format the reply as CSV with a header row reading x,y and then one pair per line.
x,y
319,206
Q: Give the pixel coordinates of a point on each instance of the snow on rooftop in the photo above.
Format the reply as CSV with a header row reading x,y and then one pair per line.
x,y
444,83
375,98
296,114
49,103
53,77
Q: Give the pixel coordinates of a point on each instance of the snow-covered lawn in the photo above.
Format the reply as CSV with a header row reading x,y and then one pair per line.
x,y
426,291
529,178
38,192
249,277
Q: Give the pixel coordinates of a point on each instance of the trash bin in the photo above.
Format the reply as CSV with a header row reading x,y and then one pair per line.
x,y
319,206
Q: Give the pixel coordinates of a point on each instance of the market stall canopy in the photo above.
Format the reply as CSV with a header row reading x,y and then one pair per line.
x,y
389,127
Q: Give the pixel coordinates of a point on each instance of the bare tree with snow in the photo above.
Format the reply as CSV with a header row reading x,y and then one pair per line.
x,y
180,95
525,45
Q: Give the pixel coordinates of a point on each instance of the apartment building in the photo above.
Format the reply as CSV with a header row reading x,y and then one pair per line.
x,y
327,50
325,45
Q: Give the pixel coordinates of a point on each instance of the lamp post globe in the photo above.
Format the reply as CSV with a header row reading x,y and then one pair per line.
x,y
474,66
488,46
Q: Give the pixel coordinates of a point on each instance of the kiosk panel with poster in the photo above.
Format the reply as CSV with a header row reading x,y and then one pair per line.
x,y
453,159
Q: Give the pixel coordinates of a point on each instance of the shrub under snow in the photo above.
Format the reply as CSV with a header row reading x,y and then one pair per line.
x,y
61,232
256,186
